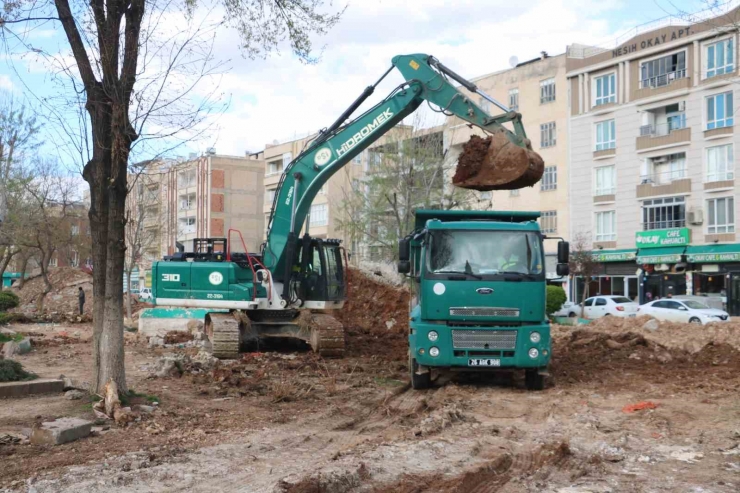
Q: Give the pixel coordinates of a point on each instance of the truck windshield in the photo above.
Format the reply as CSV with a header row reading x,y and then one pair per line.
x,y
485,253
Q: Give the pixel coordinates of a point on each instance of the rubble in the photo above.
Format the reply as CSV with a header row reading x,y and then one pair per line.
x,y
651,324
13,348
61,304
60,431
7,332
74,395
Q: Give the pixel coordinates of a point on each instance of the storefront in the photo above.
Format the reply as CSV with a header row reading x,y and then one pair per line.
x,y
616,275
660,257
716,275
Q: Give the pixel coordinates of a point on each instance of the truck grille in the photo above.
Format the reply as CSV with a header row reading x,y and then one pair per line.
x,y
484,311
484,339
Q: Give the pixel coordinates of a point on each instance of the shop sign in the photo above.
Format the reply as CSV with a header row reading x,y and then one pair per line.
x,y
663,238
659,259
713,257
614,256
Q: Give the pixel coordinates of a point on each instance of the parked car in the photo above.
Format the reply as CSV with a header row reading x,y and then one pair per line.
x,y
145,294
603,306
569,309
678,310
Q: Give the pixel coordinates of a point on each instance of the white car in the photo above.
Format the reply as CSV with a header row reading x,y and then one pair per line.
x,y
683,311
604,306
145,294
569,309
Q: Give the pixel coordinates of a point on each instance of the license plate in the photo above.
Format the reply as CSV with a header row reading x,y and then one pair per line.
x,y
484,362
632,315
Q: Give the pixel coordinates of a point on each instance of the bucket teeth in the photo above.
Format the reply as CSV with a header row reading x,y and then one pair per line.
x,y
496,163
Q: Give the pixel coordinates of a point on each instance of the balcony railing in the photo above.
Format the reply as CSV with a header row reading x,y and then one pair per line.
x,y
663,177
663,129
664,224
663,79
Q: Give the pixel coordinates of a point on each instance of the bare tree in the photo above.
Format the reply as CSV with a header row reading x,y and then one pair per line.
x,y
582,263
130,60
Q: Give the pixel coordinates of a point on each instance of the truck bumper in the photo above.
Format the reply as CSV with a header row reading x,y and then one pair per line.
x,y
457,355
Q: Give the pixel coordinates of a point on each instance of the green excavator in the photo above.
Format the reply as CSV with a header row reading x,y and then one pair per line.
x,y
287,288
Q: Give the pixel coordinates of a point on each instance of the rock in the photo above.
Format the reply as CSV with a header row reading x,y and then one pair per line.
x,y
664,357
390,323
62,430
145,409
167,367
205,360
71,384
7,332
74,395
13,348
651,325
155,341
195,326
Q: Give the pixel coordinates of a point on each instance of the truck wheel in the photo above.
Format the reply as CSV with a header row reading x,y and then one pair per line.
x,y
419,382
533,380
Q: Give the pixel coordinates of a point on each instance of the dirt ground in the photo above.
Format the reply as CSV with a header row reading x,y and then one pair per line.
x,y
284,420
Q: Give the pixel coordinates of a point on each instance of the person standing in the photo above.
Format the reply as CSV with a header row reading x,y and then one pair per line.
x,y
81,297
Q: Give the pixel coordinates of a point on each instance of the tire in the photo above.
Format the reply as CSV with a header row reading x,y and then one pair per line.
x,y
533,380
572,315
694,320
419,382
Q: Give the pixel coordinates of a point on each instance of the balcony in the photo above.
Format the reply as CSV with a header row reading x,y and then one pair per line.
x,y
664,183
666,134
667,82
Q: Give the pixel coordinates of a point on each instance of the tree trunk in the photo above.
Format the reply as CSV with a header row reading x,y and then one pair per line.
x,y
24,266
128,293
45,259
584,295
9,254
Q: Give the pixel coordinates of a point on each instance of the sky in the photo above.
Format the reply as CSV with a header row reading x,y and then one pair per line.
x,y
279,99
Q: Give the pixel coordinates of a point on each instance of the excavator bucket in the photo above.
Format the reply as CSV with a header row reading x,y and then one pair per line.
x,y
496,163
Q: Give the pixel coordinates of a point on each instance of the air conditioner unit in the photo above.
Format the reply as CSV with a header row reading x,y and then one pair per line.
x,y
696,216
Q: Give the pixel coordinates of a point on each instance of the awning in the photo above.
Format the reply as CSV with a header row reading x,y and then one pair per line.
x,y
624,255
665,255
713,253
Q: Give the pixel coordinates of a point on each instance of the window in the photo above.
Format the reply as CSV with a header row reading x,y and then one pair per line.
x,y
663,213
549,222
270,196
605,181
357,159
719,58
187,225
151,212
548,134
485,105
605,226
186,179
720,163
513,99
589,302
514,193
287,158
665,169
319,215
549,178
53,262
719,111
721,214
606,135
187,202
600,302
605,89
661,71
75,230
275,167
88,262
547,90
75,259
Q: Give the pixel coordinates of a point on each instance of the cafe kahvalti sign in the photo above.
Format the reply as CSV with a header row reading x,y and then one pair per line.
x,y
663,238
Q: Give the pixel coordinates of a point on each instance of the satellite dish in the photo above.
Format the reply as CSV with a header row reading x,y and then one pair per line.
x,y
513,61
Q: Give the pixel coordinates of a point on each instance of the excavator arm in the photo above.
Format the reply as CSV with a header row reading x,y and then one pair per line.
x,y
506,162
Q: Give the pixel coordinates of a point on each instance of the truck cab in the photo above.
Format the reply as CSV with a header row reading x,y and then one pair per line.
x,y
478,293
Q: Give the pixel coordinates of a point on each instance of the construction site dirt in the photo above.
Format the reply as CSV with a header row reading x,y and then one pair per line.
x,y
626,409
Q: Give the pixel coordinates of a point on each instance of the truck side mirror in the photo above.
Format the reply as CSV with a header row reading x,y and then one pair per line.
x,y
563,252
404,266
562,269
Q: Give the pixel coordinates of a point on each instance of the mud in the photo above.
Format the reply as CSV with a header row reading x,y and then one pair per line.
x,y
494,163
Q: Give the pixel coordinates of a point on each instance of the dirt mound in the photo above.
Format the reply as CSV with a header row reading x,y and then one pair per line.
x,y
623,359
375,317
62,302
177,336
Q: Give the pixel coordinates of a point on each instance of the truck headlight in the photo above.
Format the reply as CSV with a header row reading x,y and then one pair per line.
x,y
434,352
535,337
432,335
533,353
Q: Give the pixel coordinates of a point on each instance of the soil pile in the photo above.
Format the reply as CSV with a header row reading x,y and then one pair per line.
x,y
375,317
62,302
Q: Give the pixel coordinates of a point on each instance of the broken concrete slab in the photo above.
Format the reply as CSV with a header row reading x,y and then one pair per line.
x,y
72,384
38,386
13,348
74,395
62,430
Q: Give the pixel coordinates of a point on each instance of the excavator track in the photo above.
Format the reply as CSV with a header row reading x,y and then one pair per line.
x,y
327,336
223,333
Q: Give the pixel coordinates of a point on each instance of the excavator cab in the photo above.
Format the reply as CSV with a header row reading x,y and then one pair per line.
x,y
321,270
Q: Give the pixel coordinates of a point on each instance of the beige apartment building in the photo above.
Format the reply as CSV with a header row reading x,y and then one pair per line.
x,y
201,197
538,90
652,153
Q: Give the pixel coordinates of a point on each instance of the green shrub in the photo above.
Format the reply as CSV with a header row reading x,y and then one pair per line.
x,y
555,299
6,338
8,300
12,371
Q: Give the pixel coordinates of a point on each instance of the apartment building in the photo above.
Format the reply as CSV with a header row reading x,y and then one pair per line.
x,y
203,196
538,90
652,153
